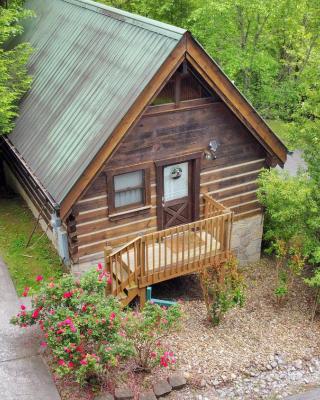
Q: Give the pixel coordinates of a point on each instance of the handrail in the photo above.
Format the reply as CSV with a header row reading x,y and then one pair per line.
x,y
172,252
213,207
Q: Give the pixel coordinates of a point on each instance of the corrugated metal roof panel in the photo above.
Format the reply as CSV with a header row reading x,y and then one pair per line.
x,y
89,67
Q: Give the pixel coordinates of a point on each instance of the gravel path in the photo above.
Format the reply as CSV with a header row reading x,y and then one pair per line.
x,y
258,351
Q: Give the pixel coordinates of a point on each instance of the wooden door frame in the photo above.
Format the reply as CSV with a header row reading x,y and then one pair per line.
x,y
194,183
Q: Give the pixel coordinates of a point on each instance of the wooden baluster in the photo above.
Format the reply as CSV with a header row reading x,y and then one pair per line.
x,y
144,273
178,248
121,269
217,237
108,268
159,261
146,241
165,253
115,266
136,250
200,245
212,233
171,252
206,242
153,257
183,247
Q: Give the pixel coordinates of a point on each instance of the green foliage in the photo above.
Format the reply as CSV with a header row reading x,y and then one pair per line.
x,y
291,211
88,333
14,79
147,329
269,49
25,263
223,289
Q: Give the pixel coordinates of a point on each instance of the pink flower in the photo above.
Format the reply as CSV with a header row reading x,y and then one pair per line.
x,y
43,344
70,364
61,362
84,362
99,267
39,278
112,316
22,307
51,285
67,295
35,313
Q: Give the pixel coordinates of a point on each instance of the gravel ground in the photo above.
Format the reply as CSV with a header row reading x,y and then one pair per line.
x,y
246,347
261,351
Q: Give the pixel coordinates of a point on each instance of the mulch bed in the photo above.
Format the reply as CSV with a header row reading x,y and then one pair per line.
x,y
246,339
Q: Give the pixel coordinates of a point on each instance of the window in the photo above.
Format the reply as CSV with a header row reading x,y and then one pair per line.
x,y
128,190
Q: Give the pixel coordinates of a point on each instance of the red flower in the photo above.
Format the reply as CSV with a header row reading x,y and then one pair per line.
x,y
99,267
39,278
26,291
70,364
112,316
61,362
43,344
35,313
84,307
67,295
22,307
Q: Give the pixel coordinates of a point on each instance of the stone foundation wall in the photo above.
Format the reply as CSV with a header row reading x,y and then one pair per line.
x,y
246,239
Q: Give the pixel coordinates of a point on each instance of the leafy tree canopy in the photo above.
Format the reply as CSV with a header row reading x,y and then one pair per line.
x,y
14,79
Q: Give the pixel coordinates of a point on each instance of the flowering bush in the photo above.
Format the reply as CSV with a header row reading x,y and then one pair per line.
x,y
146,331
88,333
81,326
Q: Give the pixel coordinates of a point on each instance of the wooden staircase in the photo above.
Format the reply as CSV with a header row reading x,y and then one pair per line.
x,y
167,254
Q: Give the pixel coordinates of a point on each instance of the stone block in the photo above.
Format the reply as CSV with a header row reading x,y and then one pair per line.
x,y
162,388
149,395
177,381
104,396
123,394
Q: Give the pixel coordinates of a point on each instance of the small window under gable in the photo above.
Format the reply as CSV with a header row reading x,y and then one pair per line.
x,y
184,85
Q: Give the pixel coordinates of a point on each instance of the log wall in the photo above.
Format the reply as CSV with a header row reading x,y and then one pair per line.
x,y
164,132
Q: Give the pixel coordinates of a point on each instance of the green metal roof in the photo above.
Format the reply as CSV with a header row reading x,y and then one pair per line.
x,y
90,64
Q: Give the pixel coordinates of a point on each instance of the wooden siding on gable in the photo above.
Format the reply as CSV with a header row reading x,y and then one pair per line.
x,y
161,133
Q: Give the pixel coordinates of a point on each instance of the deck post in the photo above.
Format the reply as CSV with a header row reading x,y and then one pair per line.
x,y
142,296
107,252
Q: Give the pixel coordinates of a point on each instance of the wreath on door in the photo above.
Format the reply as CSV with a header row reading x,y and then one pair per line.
x,y
176,172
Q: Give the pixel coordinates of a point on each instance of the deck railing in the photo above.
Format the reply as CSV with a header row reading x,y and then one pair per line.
x,y
212,207
172,252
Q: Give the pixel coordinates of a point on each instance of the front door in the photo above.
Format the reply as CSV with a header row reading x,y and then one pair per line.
x,y
178,192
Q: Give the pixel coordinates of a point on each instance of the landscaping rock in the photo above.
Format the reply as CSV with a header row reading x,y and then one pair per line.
x,y
104,396
123,394
161,388
177,381
149,395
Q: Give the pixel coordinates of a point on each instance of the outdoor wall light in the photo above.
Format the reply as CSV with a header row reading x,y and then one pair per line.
x,y
210,153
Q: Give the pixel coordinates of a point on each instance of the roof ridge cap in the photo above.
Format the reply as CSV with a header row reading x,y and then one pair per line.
x,y
135,19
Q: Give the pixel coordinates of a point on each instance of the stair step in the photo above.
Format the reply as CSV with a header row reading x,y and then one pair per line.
x,y
122,296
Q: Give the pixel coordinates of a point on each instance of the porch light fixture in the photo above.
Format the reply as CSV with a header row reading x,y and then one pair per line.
x,y
210,153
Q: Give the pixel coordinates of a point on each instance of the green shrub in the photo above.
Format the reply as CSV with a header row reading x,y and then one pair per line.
x,y
89,334
223,289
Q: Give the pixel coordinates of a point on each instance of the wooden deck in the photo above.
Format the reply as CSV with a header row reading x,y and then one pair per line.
x,y
173,252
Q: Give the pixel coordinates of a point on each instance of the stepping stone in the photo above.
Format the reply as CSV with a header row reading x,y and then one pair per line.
x,y
123,394
161,388
149,395
104,396
177,381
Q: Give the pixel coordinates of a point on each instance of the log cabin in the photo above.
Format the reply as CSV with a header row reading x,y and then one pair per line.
x,y
134,145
